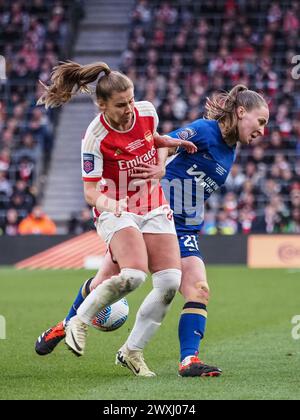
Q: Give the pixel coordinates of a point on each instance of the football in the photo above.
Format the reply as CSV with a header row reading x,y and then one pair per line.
x,y
112,317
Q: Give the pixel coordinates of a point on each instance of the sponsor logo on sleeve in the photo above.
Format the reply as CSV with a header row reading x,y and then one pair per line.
x,y
186,134
88,163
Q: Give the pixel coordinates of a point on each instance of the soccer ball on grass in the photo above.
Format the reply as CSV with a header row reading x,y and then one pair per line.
x,y
112,317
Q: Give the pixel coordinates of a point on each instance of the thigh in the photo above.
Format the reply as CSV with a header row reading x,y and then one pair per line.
x,y
108,224
106,271
163,251
194,286
129,249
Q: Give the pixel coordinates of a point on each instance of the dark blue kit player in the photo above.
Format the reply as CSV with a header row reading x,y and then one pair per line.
x,y
234,117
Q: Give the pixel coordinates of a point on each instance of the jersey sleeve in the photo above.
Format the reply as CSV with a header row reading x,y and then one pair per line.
x,y
194,132
155,117
147,109
91,159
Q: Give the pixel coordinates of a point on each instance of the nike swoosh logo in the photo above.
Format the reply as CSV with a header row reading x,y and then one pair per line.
x,y
130,365
137,371
76,345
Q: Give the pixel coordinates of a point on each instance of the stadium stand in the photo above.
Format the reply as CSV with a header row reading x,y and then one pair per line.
x,y
34,36
182,51
102,36
178,53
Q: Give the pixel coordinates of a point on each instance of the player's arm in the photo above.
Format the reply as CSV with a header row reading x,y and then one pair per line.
x,y
158,171
170,142
92,170
96,198
166,146
194,132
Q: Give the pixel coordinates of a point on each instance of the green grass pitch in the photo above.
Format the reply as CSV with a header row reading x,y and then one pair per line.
x,y
248,336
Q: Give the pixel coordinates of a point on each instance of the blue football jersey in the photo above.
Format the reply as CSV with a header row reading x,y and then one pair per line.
x,y
191,178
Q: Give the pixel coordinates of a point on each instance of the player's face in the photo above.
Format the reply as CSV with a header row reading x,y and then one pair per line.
x,y
252,124
119,109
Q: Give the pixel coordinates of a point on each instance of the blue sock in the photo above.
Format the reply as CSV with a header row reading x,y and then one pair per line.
x,y
82,294
191,329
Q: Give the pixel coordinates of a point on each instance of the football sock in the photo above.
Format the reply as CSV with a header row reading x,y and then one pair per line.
x,y
84,291
154,308
191,328
148,320
108,292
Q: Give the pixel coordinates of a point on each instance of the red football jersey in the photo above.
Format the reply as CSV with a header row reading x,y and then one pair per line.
x,y
111,156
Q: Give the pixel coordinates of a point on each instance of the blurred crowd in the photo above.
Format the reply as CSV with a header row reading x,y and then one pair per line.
x,y
179,52
34,35
182,51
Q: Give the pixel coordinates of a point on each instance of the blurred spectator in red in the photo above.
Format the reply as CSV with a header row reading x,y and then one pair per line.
x,y
246,217
242,49
11,225
25,169
291,22
30,56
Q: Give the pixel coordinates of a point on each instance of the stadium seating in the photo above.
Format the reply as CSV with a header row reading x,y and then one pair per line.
x,y
34,36
179,52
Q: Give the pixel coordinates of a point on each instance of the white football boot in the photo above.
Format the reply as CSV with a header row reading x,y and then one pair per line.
x,y
134,361
76,334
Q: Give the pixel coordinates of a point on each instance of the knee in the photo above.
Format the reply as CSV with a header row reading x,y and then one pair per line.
x,y
168,281
131,279
202,292
197,292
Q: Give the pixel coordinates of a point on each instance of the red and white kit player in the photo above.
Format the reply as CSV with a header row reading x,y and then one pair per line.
x,y
111,156
134,220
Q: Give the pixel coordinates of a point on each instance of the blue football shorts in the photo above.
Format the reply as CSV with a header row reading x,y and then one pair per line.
x,y
188,244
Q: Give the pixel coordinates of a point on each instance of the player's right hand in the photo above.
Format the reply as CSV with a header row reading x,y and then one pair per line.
x,y
108,204
121,206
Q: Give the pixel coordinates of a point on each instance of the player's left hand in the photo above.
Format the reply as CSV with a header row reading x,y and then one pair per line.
x,y
166,141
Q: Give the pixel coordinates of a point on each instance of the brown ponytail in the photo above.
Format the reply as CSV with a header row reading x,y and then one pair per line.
x,y
223,106
69,77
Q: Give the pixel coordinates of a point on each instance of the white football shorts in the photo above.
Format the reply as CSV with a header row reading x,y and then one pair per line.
x,y
159,221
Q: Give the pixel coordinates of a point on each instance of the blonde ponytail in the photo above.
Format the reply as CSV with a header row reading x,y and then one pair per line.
x,y
67,79
223,106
